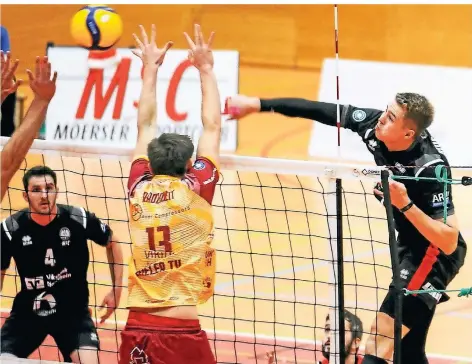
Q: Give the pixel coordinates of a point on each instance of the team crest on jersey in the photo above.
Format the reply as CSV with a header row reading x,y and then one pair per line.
x,y
136,211
64,234
44,304
359,115
138,356
199,165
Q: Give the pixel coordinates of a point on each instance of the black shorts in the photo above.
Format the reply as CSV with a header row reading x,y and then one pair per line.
x,y
417,310
22,334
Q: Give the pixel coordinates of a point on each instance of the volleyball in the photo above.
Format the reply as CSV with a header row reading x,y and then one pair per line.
x,y
96,27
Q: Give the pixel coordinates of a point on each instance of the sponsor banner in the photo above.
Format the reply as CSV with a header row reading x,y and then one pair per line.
x,y
97,96
374,85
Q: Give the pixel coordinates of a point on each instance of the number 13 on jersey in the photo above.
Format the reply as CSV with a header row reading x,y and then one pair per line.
x,y
161,234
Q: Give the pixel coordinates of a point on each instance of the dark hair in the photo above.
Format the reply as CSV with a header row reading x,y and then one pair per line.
x,y
357,328
38,171
169,154
418,109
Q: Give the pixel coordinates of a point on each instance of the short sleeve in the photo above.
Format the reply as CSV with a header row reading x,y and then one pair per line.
x,y
206,174
433,198
5,247
359,120
139,170
97,230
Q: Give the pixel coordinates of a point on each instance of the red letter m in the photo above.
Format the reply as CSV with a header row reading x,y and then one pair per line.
x,y
95,79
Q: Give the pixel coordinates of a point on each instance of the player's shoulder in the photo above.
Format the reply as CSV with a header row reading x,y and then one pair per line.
x,y
14,222
76,214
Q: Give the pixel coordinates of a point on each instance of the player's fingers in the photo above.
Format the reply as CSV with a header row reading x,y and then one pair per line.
x,y
2,61
190,42
168,46
210,39
7,60
54,77
198,39
48,70
30,75
153,33
138,42
37,70
12,70
144,35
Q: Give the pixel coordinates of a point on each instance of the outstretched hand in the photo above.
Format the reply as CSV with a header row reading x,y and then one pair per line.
x,y
148,51
9,85
200,53
41,83
239,106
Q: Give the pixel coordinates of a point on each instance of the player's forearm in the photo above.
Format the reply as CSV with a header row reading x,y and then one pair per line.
x,y
436,232
115,261
20,142
147,109
325,113
211,105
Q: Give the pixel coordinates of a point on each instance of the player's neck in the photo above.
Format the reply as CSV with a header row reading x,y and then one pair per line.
x,y
44,219
400,146
351,359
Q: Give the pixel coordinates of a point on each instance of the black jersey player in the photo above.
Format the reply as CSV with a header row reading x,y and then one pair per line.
x,y
431,251
48,242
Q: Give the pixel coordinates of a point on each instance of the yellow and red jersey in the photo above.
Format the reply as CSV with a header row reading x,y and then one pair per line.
x,y
171,226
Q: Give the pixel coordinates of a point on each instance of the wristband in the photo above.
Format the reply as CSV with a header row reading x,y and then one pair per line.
x,y
407,207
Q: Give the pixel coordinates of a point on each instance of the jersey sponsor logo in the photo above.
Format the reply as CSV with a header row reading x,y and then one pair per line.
x,y
34,283
359,115
199,165
212,178
436,295
64,234
103,226
44,304
93,336
138,356
136,211
27,240
159,267
438,199
52,278
159,197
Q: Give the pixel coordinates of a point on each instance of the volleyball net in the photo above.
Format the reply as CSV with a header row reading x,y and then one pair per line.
x,y
296,241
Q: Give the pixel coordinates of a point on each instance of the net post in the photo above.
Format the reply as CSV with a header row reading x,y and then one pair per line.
x,y
397,336
340,270
334,215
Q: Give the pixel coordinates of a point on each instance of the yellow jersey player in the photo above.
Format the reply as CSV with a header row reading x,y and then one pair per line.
x,y
172,268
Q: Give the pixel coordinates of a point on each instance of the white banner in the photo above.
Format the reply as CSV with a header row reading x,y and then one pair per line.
x,y
96,99
374,85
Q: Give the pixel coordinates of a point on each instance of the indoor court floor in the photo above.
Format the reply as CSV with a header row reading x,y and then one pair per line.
x,y
273,260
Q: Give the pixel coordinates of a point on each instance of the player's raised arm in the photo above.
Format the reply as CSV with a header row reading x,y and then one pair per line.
x,y
152,58
20,142
240,106
201,56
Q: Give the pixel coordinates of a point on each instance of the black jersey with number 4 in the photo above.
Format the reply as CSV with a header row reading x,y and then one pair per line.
x,y
420,160
52,260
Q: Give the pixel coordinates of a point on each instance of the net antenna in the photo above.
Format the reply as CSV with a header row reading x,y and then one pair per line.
x,y
335,220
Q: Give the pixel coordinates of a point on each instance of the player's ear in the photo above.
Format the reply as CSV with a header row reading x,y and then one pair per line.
x,y
189,164
357,343
25,196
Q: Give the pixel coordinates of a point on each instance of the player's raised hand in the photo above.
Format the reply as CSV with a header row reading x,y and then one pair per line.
x,y
200,53
40,82
148,51
398,194
8,85
240,106
109,305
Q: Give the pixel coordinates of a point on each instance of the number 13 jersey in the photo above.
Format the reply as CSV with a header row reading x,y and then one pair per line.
x,y
171,227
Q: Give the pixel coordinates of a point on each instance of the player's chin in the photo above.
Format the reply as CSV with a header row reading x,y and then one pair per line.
x,y
43,209
379,135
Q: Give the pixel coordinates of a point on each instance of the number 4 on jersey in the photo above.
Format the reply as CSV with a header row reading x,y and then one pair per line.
x,y
49,259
